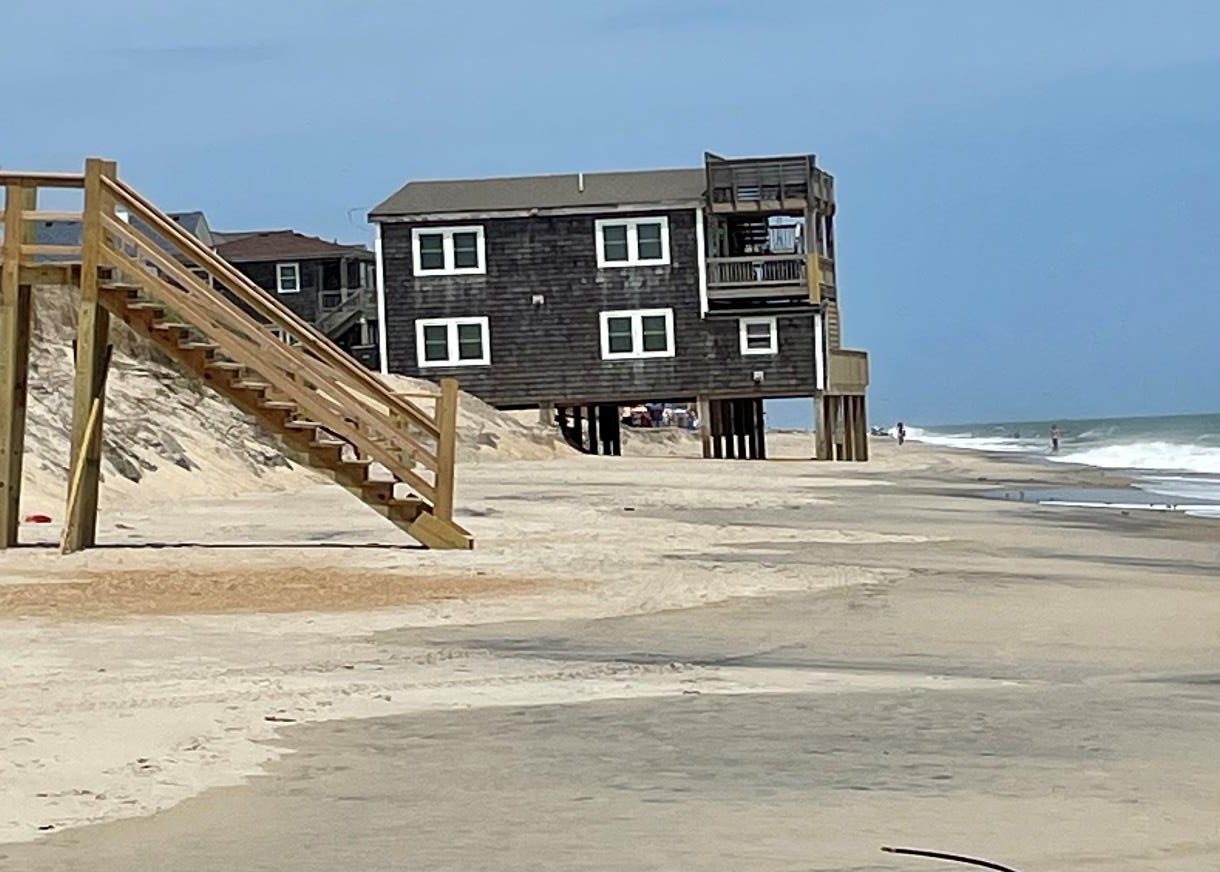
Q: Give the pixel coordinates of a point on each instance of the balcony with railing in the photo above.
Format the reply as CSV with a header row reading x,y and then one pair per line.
x,y
769,280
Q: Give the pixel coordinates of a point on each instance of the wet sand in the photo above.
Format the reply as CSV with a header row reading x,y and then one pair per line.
x,y
1038,686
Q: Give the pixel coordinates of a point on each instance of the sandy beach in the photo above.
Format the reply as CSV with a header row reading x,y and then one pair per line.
x,y
646,663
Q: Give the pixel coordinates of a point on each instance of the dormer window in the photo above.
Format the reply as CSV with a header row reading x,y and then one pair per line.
x,y
287,278
632,241
449,251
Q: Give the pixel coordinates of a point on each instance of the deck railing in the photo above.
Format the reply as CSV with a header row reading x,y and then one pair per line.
x,y
123,231
750,183
756,270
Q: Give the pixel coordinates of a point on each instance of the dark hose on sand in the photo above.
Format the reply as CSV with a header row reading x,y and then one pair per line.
x,y
956,858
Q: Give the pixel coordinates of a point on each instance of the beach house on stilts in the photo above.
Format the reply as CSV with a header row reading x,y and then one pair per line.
x,y
582,294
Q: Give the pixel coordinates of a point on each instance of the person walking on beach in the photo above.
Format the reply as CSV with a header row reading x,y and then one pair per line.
x,y
1055,434
902,432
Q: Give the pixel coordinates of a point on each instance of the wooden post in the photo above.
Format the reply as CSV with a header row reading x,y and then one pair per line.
x,y
728,430
821,450
546,414
739,428
760,423
832,430
750,426
92,359
593,416
849,429
446,448
14,359
863,420
703,410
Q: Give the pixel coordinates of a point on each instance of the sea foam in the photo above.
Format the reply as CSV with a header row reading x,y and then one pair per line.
x,y
1155,456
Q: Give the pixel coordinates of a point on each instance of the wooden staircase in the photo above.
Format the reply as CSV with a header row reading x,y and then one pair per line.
x,y
330,413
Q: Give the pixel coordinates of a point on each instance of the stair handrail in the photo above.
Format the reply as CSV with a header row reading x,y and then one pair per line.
x,y
260,350
257,298
352,304
151,217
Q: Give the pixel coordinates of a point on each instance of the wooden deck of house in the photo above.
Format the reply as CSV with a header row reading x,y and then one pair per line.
x,y
135,264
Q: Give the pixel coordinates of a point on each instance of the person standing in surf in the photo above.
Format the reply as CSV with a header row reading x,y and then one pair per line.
x,y
1055,435
902,433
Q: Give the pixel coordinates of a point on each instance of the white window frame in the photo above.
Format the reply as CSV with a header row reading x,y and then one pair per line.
x,y
637,334
447,247
279,279
773,348
633,241
452,340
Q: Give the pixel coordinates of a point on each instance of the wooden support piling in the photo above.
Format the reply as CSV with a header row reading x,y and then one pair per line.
x,y
446,447
863,423
92,361
15,315
593,412
760,424
820,443
705,426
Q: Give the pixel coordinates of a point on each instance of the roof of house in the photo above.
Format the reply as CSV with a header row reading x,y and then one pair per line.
x,y
278,245
571,190
194,223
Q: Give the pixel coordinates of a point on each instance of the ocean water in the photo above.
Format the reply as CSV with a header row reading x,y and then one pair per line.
x,y
1174,459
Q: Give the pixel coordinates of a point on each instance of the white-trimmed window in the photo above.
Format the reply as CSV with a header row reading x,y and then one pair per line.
x,y
287,278
632,241
759,336
449,251
452,342
635,333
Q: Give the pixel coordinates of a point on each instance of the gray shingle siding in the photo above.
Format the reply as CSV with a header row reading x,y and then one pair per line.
x,y
552,352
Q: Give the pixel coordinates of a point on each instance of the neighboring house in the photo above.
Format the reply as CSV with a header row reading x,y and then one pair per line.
x,y
330,285
589,292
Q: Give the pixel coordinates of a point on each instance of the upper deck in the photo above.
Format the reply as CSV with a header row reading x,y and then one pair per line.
x,y
771,236
767,184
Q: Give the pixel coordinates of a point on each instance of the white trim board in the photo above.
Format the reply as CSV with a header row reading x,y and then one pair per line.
x,y
382,332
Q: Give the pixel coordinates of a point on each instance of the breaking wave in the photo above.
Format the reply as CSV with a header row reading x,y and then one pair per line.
x,y
1149,456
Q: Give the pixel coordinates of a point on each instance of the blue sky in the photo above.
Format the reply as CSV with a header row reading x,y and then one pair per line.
x,y
1029,193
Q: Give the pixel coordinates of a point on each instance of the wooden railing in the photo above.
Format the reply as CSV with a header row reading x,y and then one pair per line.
x,y
769,275
749,183
154,252
755,270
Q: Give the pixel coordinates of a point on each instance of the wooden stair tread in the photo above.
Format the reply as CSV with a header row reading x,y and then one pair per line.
x,y
251,385
230,365
303,425
280,405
